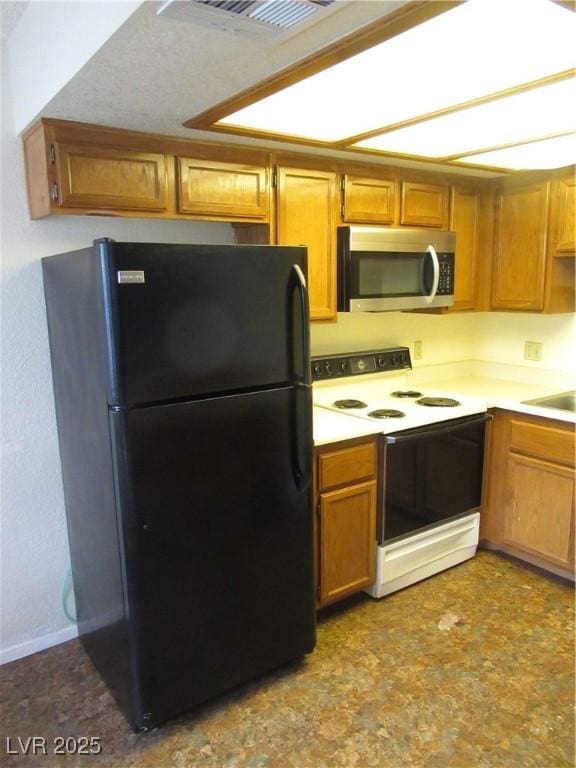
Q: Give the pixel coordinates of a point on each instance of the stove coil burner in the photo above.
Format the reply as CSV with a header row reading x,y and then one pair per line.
x,y
406,393
386,413
438,402
350,404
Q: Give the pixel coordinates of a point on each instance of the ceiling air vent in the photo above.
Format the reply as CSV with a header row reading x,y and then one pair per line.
x,y
256,18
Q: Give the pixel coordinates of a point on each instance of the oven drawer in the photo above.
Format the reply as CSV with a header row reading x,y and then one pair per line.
x,y
346,466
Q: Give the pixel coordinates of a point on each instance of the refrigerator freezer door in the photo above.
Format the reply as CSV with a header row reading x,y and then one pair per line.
x,y
219,563
186,320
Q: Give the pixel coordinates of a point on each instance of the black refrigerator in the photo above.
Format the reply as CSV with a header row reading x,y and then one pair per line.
x,y
183,402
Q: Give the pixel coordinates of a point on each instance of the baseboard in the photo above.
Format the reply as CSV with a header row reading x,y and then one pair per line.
x,y
14,652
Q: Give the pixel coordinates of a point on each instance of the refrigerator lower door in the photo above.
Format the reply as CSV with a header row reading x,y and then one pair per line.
x,y
217,529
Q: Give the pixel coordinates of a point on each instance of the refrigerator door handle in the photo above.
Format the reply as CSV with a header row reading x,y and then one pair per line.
x,y
302,436
301,330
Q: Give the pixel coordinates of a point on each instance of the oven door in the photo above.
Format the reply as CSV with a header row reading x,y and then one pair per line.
x,y
431,474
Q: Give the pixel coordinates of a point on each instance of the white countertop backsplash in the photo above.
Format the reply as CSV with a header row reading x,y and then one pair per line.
x,y
501,386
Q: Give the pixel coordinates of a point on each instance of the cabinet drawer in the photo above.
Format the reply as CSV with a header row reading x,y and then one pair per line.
x,y
546,442
346,466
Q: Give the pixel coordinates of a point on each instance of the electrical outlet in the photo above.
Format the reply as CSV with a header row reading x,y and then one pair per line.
x,y
418,350
533,350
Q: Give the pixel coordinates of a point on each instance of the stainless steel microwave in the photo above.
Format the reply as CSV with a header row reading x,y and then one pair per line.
x,y
382,269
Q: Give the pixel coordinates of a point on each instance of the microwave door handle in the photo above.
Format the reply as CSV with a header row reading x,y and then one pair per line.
x,y
436,279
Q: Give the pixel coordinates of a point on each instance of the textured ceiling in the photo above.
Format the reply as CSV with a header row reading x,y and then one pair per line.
x,y
155,72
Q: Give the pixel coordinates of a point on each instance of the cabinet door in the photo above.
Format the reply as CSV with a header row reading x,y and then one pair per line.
x,y
109,178
566,216
465,221
424,205
307,215
348,541
368,201
519,268
540,512
230,190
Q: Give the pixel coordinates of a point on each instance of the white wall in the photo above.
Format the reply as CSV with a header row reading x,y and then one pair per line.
x,y
503,335
491,337
445,337
85,26
34,550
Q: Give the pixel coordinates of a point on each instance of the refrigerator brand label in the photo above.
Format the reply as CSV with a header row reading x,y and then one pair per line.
x,y
131,276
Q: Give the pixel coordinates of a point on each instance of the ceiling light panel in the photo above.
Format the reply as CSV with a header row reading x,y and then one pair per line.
x,y
536,113
537,155
473,50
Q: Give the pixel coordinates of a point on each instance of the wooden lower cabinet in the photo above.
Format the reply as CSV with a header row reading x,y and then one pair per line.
x,y
345,498
531,490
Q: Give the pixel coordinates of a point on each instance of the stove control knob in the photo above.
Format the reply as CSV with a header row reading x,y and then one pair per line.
x,y
327,368
343,366
381,361
394,359
317,369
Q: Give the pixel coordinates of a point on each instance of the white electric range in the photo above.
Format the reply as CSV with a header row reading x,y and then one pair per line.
x,y
431,459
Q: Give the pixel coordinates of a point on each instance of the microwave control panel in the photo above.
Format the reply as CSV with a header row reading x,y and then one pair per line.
x,y
374,361
446,277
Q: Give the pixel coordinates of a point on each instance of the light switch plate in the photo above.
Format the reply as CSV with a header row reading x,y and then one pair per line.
x,y
533,350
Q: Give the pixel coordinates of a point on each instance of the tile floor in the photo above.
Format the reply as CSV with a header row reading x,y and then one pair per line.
x,y
473,668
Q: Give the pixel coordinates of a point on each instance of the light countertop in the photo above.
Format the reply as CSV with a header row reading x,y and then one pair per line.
x,y
330,427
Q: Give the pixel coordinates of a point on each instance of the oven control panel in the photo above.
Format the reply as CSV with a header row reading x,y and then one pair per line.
x,y
374,361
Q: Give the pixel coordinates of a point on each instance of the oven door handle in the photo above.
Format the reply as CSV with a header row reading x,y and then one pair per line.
x,y
439,428
436,278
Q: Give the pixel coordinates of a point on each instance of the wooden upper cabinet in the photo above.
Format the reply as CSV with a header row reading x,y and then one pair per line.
x,y
424,205
95,177
565,240
465,221
307,210
368,200
229,190
519,268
